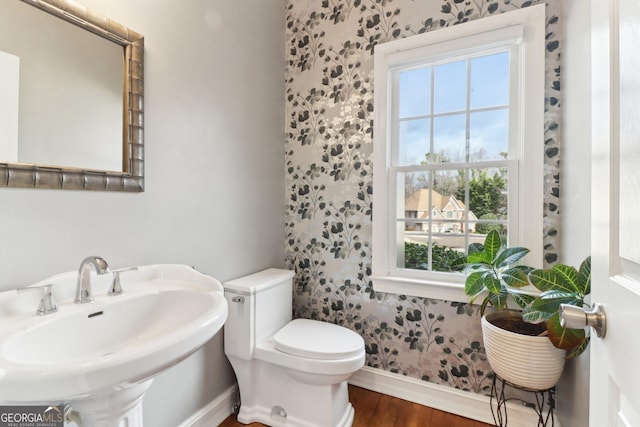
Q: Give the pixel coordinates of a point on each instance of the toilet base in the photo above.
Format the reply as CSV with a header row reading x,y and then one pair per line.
x,y
264,416
270,395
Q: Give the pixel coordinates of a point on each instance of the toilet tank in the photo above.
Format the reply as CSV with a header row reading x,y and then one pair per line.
x,y
259,305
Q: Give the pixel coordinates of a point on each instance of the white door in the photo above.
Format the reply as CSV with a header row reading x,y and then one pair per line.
x,y
615,201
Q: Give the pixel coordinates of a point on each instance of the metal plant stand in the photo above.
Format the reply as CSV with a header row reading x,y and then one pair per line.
x,y
545,402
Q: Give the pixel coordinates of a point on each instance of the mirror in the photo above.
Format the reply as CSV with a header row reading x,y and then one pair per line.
x,y
76,121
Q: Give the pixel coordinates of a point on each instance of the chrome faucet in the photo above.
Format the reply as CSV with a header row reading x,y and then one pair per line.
x,y
84,293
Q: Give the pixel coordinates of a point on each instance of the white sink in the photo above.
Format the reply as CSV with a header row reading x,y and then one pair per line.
x,y
109,348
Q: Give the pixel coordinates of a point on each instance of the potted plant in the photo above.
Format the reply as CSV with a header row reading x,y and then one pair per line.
x,y
518,351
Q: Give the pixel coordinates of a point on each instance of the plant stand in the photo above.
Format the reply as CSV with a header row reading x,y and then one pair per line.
x,y
545,402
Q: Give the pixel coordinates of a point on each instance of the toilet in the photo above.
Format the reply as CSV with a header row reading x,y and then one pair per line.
x,y
290,372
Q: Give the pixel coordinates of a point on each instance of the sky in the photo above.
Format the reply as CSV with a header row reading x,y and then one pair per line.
x,y
489,87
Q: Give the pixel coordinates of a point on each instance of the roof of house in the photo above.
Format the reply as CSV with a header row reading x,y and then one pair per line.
x,y
419,201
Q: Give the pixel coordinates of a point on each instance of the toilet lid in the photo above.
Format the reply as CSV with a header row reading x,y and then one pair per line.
x,y
318,340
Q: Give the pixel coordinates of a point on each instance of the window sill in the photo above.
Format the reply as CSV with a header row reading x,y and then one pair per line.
x,y
441,290
428,288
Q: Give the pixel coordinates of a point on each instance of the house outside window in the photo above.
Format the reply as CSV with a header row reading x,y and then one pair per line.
x,y
457,147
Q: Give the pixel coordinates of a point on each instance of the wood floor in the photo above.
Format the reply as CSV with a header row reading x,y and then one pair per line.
x,y
379,410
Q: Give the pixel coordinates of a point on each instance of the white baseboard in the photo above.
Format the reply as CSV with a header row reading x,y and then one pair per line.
x,y
444,398
215,412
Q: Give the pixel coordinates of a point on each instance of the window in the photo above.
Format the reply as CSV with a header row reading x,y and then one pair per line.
x,y
458,149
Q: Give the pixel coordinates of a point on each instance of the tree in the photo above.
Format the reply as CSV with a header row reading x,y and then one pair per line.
x,y
486,193
444,182
416,256
486,228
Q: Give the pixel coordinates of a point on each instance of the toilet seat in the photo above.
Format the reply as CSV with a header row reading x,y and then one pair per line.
x,y
313,348
318,340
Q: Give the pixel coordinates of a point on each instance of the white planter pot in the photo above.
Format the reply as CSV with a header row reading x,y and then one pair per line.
x,y
526,361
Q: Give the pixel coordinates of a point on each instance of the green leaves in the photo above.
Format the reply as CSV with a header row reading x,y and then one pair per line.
x,y
547,304
550,301
522,300
566,339
515,277
577,351
544,280
535,316
568,276
556,279
492,245
478,257
474,283
490,270
584,276
492,284
562,284
509,256
499,299
564,278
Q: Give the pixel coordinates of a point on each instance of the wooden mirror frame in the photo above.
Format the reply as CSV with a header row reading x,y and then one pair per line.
x,y
25,175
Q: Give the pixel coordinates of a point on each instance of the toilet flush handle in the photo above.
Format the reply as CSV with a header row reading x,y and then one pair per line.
x,y
238,299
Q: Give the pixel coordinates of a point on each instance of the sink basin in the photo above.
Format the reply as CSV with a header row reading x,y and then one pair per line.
x,y
127,328
90,351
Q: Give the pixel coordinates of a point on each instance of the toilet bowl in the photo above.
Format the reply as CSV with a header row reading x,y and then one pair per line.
x,y
290,372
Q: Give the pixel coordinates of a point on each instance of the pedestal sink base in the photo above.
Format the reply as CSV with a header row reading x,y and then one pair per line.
x,y
122,408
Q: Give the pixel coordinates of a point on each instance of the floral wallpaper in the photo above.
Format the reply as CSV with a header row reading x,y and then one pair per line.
x,y
329,127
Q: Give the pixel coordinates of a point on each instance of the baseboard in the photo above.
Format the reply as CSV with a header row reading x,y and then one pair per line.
x,y
215,412
448,399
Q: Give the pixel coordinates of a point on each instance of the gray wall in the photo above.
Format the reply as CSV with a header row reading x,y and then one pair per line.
x,y
214,173
573,389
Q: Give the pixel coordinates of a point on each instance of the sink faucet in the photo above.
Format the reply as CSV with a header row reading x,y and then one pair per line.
x,y
83,290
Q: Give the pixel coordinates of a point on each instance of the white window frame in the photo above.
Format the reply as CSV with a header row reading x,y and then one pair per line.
x,y
527,26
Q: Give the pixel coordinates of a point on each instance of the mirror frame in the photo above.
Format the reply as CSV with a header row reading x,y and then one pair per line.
x,y
26,175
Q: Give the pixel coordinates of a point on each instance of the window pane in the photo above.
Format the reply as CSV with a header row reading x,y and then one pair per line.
x,y
416,252
445,197
432,212
414,97
446,184
413,141
416,196
446,252
449,135
490,80
439,214
488,194
479,230
489,135
450,87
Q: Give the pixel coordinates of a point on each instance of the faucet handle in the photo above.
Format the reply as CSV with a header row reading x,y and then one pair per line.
x,y
116,288
47,303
